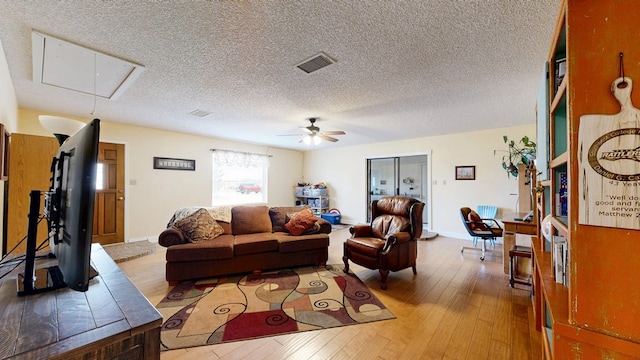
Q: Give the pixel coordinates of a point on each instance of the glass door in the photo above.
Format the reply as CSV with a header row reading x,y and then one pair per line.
x,y
412,175
382,180
398,175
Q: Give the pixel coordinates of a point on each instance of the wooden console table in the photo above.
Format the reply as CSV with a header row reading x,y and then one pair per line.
x,y
511,228
111,320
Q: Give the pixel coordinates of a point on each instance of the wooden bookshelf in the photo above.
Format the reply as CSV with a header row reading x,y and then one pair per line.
x,y
595,314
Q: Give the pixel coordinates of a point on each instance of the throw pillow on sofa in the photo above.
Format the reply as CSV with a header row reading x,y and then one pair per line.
x,y
250,220
476,220
313,229
280,215
181,214
199,226
301,222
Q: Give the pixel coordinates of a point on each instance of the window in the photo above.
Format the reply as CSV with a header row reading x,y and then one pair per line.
x,y
100,177
239,178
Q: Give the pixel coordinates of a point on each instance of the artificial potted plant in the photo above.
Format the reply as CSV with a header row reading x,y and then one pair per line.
x,y
522,152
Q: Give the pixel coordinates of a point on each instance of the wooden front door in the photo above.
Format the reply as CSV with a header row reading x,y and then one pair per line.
x,y
108,218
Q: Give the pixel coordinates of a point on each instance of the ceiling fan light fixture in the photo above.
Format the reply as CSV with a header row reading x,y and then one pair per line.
x,y
311,135
311,139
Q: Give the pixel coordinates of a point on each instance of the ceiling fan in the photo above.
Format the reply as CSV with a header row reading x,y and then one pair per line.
x,y
313,135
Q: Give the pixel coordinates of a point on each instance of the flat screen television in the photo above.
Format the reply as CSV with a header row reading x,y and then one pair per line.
x,y
69,206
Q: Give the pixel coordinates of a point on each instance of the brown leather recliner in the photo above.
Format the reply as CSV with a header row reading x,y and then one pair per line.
x,y
389,242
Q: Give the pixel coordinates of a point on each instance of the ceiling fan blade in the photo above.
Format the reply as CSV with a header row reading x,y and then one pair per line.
x,y
328,138
337,132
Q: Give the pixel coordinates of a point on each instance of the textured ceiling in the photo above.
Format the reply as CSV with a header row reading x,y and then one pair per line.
x,y
404,69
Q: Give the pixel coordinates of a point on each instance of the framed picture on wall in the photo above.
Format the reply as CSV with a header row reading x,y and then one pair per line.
x,y
467,172
174,164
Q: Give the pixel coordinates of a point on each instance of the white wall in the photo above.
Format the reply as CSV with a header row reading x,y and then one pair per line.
x,y
8,101
8,116
156,194
344,169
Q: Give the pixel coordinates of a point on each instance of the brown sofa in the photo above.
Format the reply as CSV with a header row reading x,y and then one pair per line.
x,y
254,239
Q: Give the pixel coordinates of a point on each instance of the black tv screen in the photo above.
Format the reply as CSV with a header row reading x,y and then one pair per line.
x,y
74,189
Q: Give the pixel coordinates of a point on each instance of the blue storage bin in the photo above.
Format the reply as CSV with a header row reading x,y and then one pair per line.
x,y
334,219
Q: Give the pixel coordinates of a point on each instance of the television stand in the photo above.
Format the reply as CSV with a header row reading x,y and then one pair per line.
x,y
36,281
46,279
112,317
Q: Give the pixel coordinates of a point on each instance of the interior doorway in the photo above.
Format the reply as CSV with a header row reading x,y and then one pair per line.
x,y
399,175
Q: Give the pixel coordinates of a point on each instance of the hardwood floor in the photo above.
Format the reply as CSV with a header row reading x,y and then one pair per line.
x,y
457,307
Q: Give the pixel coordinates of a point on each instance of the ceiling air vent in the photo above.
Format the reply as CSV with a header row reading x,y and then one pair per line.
x,y
200,113
316,62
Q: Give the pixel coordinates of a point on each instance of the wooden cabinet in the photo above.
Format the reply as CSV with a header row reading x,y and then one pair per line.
x,y
595,314
30,159
112,320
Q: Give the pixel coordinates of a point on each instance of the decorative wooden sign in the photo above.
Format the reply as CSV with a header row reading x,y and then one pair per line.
x,y
173,164
609,164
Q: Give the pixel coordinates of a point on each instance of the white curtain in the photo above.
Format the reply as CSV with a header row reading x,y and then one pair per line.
x,y
239,159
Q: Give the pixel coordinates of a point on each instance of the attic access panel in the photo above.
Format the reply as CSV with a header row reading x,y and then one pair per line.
x,y
65,65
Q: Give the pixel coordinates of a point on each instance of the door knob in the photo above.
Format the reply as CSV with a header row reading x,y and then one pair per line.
x,y
121,198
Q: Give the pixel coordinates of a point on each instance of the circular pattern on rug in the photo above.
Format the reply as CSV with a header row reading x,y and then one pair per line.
x,y
370,309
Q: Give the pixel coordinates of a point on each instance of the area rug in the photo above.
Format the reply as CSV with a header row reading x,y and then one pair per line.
x,y
339,226
220,310
127,251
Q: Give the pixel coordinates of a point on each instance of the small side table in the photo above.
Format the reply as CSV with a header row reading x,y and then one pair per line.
x,y
515,252
511,228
